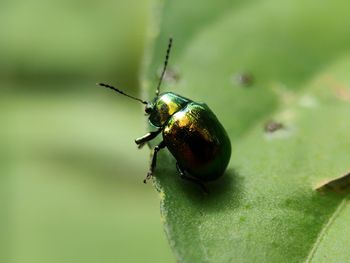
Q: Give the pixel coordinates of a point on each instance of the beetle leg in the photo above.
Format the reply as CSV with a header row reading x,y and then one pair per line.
x,y
154,160
147,137
184,176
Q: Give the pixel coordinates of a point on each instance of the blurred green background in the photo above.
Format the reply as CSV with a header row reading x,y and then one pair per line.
x,y
71,175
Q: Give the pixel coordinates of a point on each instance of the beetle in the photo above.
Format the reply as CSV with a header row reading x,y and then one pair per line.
x,y
190,130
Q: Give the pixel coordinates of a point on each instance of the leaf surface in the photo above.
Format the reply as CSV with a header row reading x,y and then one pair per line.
x,y
265,208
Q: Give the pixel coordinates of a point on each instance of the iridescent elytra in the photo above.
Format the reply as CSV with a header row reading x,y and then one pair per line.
x,y
190,131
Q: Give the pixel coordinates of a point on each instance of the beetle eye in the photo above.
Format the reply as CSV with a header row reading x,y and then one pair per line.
x,y
148,109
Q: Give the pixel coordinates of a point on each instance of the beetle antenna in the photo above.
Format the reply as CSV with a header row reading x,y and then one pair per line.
x,y
121,92
165,64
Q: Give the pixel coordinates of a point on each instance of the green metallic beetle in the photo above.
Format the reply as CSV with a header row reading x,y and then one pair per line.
x,y
190,131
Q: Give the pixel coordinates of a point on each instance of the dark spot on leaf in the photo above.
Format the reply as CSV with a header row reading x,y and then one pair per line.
x,y
341,90
272,126
338,185
342,93
244,79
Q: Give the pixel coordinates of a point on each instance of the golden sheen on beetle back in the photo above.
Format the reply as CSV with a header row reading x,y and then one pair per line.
x,y
198,141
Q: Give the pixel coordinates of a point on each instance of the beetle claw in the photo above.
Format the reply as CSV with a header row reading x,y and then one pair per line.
x,y
140,146
148,176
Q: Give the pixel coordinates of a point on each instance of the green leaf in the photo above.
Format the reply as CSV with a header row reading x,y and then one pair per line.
x,y
332,243
265,208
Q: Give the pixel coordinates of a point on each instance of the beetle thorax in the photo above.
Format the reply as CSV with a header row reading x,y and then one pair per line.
x,y
164,106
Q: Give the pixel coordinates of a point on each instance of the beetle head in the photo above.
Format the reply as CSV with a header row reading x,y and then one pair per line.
x,y
163,107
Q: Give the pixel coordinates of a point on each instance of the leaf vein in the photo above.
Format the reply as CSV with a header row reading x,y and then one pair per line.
x,y
326,227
